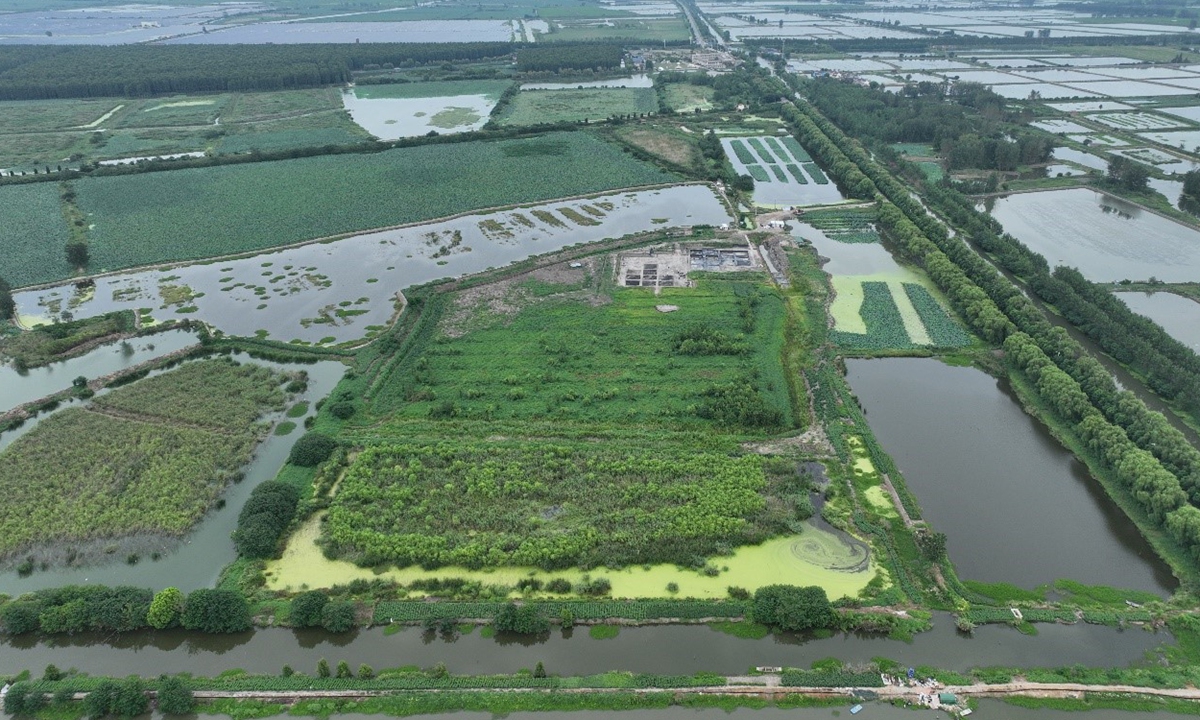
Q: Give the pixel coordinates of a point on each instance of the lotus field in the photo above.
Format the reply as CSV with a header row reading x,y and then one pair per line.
x,y
895,316
32,234
205,212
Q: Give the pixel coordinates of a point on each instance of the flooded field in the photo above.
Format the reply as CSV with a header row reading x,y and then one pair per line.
x,y
392,112
635,81
1105,238
784,174
17,388
674,649
335,292
197,559
1178,315
1015,505
413,31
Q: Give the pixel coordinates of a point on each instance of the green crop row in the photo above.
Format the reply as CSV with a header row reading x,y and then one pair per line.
x,y
815,171
414,611
943,331
798,174
778,172
762,151
885,327
796,149
830,678
743,153
759,173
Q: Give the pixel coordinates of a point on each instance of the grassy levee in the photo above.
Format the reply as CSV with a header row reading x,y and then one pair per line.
x,y
145,459
194,213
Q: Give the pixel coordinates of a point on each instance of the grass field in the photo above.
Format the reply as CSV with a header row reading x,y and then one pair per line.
x,y
533,107
891,315
444,88
148,458
197,213
667,143
33,234
637,29
47,132
685,97
622,369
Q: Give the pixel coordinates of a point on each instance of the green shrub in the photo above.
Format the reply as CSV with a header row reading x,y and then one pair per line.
x,y
789,607
312,449
521,619
306,608
174,698
337,616
216,611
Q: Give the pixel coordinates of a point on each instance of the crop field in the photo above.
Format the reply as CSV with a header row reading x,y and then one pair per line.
x,y
848,226
33,233
783,172
533,107
892,315
551,507
570,357
148,458
198,213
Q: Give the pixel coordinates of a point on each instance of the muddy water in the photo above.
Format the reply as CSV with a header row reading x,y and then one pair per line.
x,y
395,118
653,649
1107,239
1178,315
1016,506
22,387
198,560
335,291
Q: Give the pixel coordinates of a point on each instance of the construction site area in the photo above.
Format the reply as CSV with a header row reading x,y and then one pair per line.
x,y
669,265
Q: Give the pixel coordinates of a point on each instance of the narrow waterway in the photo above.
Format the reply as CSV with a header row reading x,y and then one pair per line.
x,y
665,649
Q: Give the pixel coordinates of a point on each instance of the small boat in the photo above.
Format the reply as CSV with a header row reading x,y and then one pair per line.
x,y
856,709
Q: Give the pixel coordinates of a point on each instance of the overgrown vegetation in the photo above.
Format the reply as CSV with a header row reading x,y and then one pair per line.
x,y
147,458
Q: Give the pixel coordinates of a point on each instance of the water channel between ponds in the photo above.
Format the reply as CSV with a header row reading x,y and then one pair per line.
x,y
196,560
662,649
1015,505
334,291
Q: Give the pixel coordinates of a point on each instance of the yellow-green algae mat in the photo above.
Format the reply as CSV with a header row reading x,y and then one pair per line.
x,y
815,557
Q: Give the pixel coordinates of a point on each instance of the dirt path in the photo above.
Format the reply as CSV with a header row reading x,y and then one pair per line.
x,y
743,685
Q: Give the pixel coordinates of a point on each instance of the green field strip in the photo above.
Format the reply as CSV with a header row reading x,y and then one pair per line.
x,y
743,153
942,329
759,173
797,149
814,171
776,147
762,151
908,314
798,174
779,175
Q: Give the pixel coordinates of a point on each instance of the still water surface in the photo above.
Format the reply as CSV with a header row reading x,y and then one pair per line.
x,y
1016,506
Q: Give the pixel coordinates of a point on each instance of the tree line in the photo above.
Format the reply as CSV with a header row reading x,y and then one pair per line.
x,y
39,72
1149,457
97,608
967,122
554,57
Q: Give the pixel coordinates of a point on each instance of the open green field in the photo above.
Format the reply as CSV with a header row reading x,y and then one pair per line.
x,y
685,97
33,234
637,29
148,458
443,88
622,361
534,107
197,213
491,11
47,132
